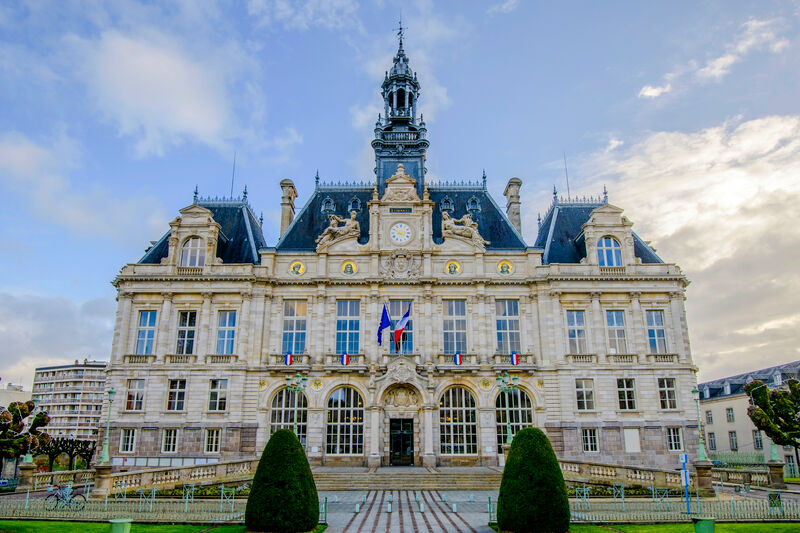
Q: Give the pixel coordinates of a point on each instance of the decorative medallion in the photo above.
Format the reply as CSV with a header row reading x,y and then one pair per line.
x,y
486,383
262,384
297,268
505,267
316,384
349,267
401,265
453,268
540,383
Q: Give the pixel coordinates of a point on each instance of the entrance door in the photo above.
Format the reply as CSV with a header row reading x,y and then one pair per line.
x,y
401,442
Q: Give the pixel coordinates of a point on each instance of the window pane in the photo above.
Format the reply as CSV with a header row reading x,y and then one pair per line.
x,y
457,422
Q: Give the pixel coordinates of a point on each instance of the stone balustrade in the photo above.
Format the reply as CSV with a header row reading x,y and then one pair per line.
x,y
606,474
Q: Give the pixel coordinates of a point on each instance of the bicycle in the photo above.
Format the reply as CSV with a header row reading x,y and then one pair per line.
x,y
63,497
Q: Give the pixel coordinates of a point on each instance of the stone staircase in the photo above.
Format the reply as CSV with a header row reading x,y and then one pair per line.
x,y
475,478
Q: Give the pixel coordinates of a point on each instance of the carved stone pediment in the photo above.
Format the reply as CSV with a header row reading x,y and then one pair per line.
x,y
462,229
402,264
339,229
400,187
401,396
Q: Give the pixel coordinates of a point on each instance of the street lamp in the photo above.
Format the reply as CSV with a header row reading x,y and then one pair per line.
x,y
104,454
296,385
701,451
507,385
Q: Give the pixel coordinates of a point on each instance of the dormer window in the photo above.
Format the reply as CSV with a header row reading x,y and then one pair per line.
x,y
327,205
193,253
355,204
446,204
609,253
473,205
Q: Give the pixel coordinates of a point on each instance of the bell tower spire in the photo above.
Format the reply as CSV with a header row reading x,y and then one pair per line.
x,y
399,136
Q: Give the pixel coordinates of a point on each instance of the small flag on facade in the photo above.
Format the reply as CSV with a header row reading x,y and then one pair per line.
x,y
457,359
514,358
401,326
385,323
288,359
345,359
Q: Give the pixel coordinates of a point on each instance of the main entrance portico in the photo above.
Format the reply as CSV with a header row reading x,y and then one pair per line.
x,y
401,442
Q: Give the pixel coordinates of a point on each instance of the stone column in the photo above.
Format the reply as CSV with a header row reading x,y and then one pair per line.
x,y
534,341
639,326
429,455
124,321
244,327
704,479
776,474
374,459
205,328
26,471
679,345
372,350
164,320
558,328
598,337
482,327
102,481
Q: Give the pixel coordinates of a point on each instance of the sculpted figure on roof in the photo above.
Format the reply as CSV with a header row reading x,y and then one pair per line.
x,y
334,231
463,227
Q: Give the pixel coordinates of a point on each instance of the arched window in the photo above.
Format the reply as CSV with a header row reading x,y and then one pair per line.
x,y
345,432
327,205
473,205
193,253
283,413
457,422
355,204
520,411
446,204
609,253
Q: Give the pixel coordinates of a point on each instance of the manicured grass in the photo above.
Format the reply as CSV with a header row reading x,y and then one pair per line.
x,y
36,526
687,528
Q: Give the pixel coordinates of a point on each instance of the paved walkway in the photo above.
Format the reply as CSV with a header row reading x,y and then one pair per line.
x,y
406,515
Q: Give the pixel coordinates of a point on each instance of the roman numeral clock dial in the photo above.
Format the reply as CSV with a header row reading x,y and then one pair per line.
x,y
400,233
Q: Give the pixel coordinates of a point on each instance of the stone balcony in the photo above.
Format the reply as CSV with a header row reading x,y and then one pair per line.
x,y
358,363
180,359
139,359
446,363
274,362
662,358
221,359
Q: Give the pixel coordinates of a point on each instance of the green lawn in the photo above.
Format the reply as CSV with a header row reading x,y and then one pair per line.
x,y
689,528
36,526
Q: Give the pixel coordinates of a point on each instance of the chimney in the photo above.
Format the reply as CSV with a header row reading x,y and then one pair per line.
x,y
288,194
512,202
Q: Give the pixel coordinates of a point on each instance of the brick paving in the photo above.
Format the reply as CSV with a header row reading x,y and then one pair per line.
x,y
437,516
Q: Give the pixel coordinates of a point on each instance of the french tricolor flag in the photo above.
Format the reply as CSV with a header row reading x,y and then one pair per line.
x,y
400,326
514,358
345,359
288,359
457,359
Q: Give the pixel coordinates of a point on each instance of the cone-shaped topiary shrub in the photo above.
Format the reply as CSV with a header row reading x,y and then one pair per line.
x,y
283,498
533,496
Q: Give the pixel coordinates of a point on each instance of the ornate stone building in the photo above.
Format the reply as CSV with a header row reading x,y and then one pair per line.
x,y
213,321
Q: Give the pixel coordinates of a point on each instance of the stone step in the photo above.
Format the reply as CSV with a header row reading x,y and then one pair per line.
x,y
416,481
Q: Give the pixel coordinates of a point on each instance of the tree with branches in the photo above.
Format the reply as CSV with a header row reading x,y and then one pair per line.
x,y
776,412
15,438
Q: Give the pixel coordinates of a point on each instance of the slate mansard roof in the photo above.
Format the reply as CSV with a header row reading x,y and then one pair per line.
x,y
240,234
732,385
312,219
561,233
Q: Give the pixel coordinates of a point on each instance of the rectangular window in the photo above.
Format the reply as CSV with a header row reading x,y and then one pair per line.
x,y
146,333
655,332
758,444
169,441
674,440
212,440
294,326
589,437
615,320
576,332
507,317
712,441
135,397
348,324
709,417
584,390
187,322
627,394
226,332
218,395
398,308
127,440
454,326
177,394
733,441
729,414
667,394
632,442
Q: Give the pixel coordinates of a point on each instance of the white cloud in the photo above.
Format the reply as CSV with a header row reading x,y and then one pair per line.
x,y
722,203
648,91
755,35
37,173
40,330
149,88
328,14
503,7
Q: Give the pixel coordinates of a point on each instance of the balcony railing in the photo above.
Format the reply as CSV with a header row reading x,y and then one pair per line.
x,y
662,357
221,359
189,271
137,359
469,361
181,359
276,362
357,362
582,358
503,360
612,271
624,358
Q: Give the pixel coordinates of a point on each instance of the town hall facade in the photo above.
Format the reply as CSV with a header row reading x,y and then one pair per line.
x,y
213,323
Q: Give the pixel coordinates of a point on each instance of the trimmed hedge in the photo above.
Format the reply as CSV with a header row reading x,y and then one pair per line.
x,y
283,497
533,495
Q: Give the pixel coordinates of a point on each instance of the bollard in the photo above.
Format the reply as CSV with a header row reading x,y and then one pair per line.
x,y
390,497
105,504
444,499
335,498
357,509
490,507
472,497
364,499
416,497
388,507
454,508
421,507
27,495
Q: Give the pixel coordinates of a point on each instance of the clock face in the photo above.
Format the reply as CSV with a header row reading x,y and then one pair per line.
x,y
400,233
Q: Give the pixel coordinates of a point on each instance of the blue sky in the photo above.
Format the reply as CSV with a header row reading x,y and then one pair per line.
x,y
114,111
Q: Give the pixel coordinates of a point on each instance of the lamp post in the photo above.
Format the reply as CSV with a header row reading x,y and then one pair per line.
x,y
296,385
28,457
701,451
104,454
507,385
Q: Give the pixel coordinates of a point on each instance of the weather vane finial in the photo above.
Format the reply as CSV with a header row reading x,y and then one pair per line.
x,y
400,31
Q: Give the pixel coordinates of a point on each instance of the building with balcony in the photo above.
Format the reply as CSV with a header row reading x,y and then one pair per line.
x,y
13,393
73,397
212,321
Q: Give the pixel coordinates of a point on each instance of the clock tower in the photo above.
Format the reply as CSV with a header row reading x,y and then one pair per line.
x,y
400,137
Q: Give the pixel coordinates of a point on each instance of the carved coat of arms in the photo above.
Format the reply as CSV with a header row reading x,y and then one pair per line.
x,y
401,264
